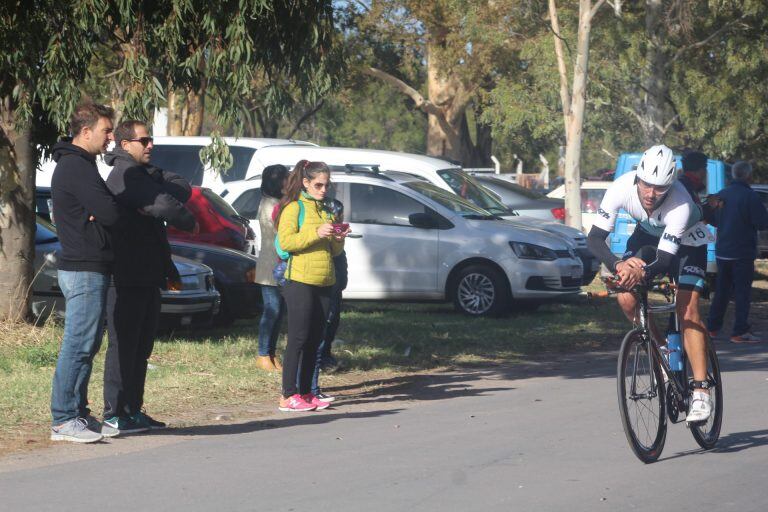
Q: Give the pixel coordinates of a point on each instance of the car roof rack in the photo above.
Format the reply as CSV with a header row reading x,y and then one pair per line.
x,y
370,170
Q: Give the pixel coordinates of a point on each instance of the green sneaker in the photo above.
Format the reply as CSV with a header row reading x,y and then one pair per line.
x,y
148,421
123,425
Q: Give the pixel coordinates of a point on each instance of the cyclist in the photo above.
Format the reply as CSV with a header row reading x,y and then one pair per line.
x,y
668,219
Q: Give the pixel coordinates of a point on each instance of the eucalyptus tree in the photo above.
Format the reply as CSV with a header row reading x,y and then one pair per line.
x,y
209,49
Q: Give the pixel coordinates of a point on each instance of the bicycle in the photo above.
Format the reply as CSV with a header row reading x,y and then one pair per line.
x,y
649,391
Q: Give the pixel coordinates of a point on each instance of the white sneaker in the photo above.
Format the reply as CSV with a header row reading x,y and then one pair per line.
x,y
701,407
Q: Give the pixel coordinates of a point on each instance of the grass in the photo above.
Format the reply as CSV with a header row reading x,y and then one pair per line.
x,y
195,374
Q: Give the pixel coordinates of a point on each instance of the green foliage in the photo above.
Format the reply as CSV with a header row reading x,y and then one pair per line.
x,y
217,155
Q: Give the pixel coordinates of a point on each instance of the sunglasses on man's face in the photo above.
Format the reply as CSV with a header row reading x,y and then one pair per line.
x,y
657,188
143,140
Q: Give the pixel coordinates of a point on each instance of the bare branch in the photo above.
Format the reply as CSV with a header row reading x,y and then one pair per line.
x,y
635,114
707,39
309,113
596,7
422,103
671,121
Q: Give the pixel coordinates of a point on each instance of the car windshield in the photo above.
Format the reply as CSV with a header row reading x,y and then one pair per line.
x,y
184,160
467,188
45,232
450,201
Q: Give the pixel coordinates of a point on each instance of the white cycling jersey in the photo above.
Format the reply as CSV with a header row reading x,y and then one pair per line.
x,y
676,221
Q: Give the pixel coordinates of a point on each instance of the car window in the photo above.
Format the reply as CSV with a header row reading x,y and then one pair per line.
x,y
184,160
371,204
247,204
451,201
220,205
513,187
591,199
763,197
45,233
467,188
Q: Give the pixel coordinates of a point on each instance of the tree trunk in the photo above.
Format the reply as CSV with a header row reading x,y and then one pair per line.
x,y
655,82
447,130
576,121
195,112
175,115
17,218
186,111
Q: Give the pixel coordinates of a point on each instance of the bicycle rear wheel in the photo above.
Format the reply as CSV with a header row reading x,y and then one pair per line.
x,y
641,397
707,433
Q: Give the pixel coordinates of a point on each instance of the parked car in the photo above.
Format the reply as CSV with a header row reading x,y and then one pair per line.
x,y
762,236
192,302
234,273
219,223
419,242
439,172
592,193
526,202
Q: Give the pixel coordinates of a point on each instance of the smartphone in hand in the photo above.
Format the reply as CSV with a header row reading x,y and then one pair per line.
x,y
340,228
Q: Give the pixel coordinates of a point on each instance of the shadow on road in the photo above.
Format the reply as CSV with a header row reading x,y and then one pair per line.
x,y
313,418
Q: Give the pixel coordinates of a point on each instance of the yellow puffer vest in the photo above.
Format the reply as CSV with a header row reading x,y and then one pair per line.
x,y
311,259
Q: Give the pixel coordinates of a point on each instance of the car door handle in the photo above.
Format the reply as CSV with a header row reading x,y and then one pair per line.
x,y
353,235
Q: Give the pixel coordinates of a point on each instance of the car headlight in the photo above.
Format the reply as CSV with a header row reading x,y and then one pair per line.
x,y
186,283
528,251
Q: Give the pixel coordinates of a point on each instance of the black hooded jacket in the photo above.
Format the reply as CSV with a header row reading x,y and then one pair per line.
x,y
151,196
78,192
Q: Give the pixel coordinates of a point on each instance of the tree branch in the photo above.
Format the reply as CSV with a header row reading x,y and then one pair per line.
x,y
422,103
309,113
596,7
707,39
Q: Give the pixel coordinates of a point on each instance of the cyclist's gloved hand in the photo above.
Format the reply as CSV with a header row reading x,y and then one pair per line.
x,y
629,274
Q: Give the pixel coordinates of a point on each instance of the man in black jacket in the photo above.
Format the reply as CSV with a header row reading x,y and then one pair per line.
x,y
142,267
82,207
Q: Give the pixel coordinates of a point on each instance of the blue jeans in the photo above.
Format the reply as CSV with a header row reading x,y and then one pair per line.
x,y
85,294
733,277
269,325
329,333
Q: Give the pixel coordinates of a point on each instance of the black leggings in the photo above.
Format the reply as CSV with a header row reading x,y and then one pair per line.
x,y
307,307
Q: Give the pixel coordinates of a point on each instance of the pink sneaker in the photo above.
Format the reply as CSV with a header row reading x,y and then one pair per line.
x,y
318,404
295,403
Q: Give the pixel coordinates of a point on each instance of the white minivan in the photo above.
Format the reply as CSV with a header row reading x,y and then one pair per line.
x,y
439,172
181,155
419,242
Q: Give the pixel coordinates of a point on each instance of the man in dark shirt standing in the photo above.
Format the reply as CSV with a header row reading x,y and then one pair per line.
x,y
739,218
143,266
82,206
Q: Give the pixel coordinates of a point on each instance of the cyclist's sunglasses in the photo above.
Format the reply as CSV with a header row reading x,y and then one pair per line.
x,y
143,140
656,188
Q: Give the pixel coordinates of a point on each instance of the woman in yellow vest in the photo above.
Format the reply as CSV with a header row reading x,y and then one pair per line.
x,y
309,234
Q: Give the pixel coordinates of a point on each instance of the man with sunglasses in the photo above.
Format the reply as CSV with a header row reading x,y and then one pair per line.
x,y
142,267
668,219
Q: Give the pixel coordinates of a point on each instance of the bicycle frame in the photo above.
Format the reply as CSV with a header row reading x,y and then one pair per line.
x,y
677,380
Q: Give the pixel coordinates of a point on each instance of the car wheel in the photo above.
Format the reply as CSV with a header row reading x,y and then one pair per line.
x,y
224,317
480,290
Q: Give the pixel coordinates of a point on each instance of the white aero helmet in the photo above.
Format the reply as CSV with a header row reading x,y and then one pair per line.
x,y
657,166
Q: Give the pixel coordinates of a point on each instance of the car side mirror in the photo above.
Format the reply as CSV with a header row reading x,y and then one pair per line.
x,y
423,221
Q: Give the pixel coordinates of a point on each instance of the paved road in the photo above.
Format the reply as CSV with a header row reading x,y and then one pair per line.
x,y
541,437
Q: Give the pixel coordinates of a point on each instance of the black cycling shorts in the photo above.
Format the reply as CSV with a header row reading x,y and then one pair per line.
x,y
690,262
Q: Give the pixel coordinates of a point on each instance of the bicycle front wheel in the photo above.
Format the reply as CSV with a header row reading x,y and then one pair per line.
x,y
707,432
641,397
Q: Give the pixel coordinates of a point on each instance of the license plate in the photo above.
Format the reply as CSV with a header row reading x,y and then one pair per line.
x,y
186,320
